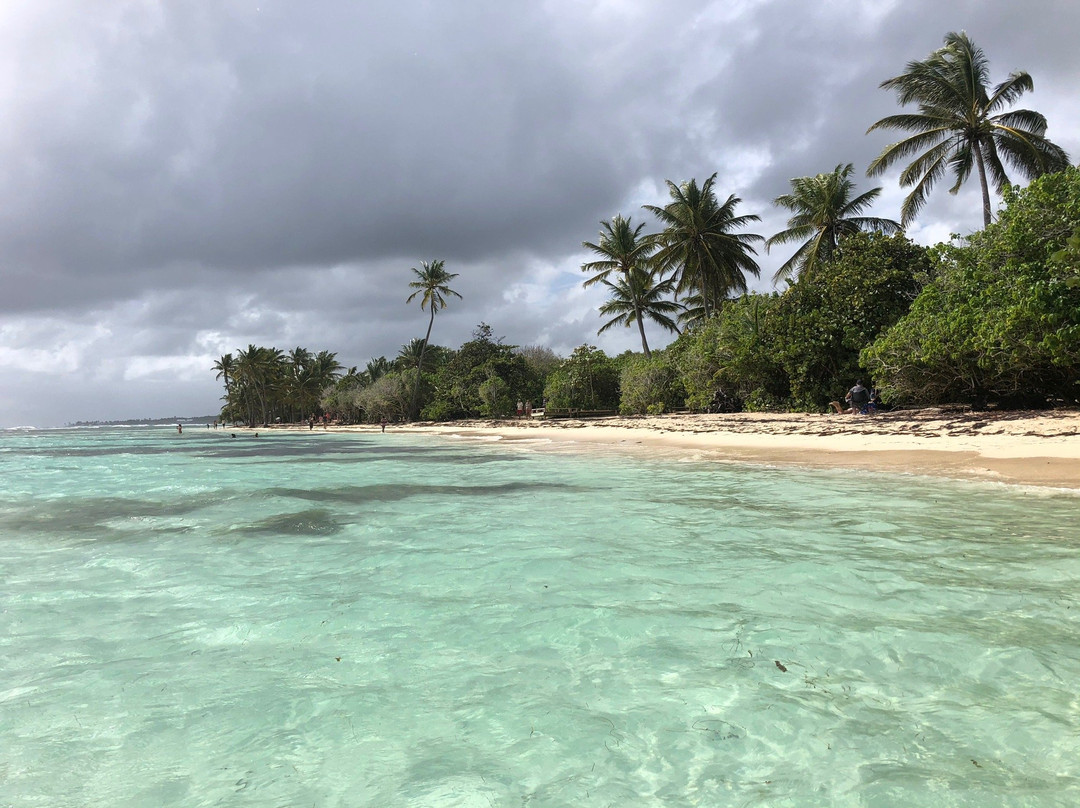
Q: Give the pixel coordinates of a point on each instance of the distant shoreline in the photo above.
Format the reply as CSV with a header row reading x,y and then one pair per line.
x,y
176,419
1040,448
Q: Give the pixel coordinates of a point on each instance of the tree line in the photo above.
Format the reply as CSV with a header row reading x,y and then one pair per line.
x,y
994,318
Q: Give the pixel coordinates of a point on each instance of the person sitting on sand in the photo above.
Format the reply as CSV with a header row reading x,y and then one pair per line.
x,y
842,410
860,397
858,400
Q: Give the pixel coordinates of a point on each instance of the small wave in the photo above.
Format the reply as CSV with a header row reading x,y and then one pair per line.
x,y
479,438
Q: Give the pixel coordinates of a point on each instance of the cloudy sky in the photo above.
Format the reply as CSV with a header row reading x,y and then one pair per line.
x,y
180,178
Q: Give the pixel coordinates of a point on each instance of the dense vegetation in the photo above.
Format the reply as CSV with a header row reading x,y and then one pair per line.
x,y
993,319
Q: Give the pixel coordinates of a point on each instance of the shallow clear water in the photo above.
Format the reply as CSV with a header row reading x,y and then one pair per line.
x,y
382,620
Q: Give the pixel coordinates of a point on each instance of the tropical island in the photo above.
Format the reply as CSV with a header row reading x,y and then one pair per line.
x,y
988,322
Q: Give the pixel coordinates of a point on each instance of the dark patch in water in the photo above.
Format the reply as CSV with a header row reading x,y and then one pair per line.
x,y
107,451
77,515
324,452
313,522
387,492
425,457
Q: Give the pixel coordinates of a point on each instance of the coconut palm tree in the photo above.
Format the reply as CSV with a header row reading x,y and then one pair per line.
x,y
824,213
226,367
621,249
321,372
699,244
376,368
432,284
325,367
636,296
409,354
961,123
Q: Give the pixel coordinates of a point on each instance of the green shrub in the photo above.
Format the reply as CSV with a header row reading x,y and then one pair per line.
x,y
588,380
649,385
1000,322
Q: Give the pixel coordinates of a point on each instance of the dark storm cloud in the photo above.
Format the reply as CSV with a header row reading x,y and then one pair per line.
x,y
181,179
250,138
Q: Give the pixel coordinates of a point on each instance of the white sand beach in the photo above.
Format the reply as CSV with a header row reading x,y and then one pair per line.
x,y
1024,447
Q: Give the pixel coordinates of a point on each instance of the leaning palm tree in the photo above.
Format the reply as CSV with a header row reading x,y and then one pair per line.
x,y
639,295
961,123
699,243
432,284
824,213
226,367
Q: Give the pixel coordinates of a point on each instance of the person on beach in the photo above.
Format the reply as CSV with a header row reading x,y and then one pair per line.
x,y
860,397
858,400
382,423
179,429
528,409
521,408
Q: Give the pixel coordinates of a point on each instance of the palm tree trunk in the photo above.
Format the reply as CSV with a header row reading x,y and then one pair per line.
x,y
704,295
982,184
641,328
414,408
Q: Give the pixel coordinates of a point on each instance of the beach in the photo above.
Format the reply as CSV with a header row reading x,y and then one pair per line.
x,y
1018,447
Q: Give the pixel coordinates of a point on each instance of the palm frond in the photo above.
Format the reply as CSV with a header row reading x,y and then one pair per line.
x,y
1010,90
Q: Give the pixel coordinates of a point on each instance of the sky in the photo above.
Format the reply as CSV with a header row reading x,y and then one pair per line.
x,y
180,179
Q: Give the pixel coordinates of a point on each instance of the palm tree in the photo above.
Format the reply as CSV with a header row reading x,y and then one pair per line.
x,y
409,354
824,213
322,372
693,311
960,123
376,368
432,283
260,372
225,367
699,245
300,382
638,295
621,250
325,367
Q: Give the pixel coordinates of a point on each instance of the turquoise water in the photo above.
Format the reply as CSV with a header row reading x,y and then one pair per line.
x,y
384,620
